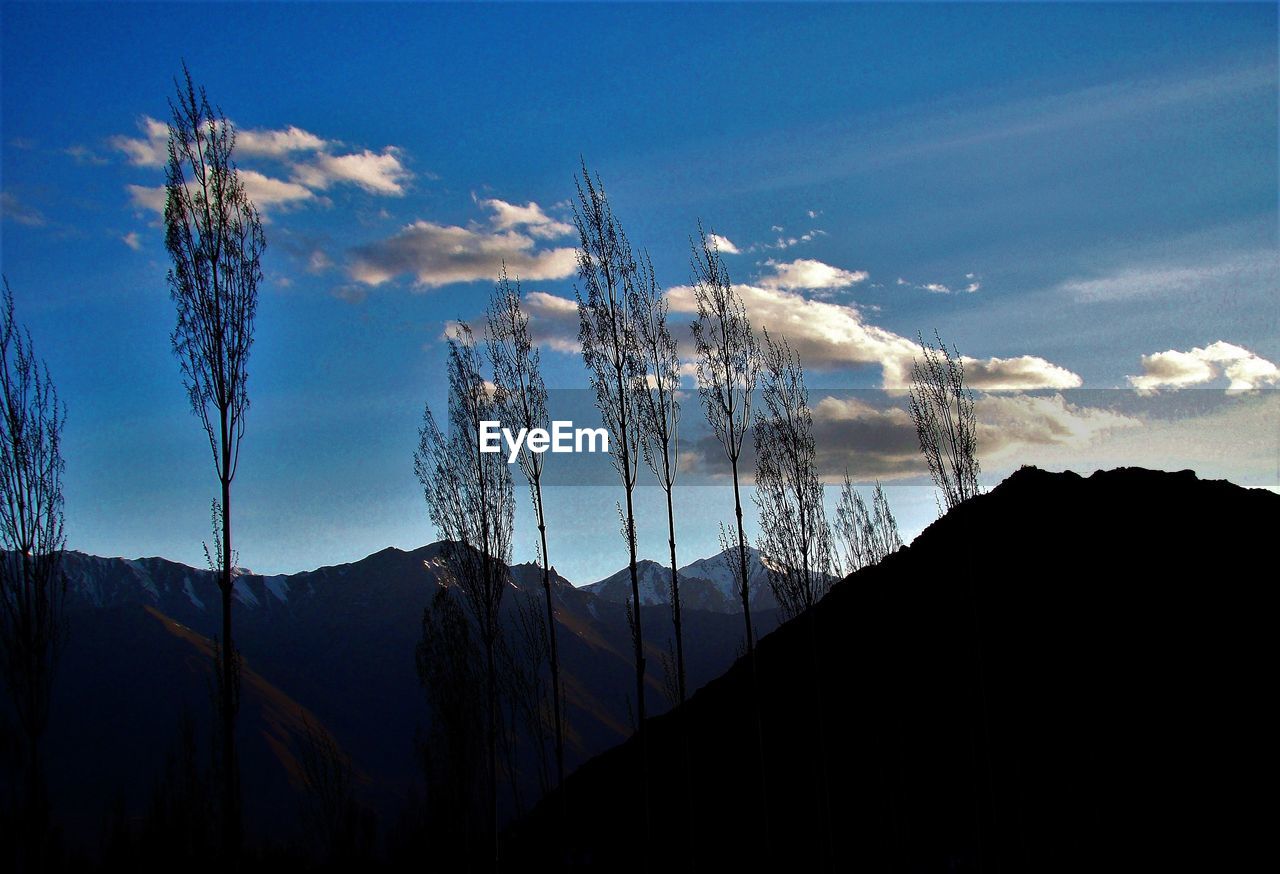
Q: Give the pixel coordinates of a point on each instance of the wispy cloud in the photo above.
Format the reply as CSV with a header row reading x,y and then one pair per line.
x,y
132,240
1173,278
12,209
969,286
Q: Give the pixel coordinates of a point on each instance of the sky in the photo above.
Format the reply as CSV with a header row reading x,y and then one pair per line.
x,y
1082,199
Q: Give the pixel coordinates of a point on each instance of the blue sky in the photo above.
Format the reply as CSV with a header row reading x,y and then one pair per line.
x,y
1082,198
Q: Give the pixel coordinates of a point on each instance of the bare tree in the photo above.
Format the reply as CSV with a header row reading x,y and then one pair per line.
x,y
33,624
868,535
885,539
611,351
521,400
660,441
471,501
795,541
526,649
942,410
660,419
728,366
340,826
214,237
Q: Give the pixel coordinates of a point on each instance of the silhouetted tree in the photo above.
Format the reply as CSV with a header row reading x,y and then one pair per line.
x,y
178,832
526,649
450,668
214,237
728,366
611,351
339,826
795,540
867,535
660,441
521,401
33,625
942,410
660,419
470,499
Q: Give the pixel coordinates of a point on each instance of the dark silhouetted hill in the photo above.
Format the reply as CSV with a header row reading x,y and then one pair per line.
x,y
1064,674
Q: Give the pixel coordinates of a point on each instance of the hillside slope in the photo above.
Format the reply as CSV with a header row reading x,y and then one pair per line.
x,y
1063,674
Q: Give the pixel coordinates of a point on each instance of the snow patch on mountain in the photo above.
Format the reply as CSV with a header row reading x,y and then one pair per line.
x,y
278,586
191,593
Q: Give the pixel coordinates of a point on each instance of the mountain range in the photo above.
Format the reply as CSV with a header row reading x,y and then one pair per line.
x,y
333,647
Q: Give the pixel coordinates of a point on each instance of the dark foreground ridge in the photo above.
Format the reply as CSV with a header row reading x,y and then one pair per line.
x,y
1062,674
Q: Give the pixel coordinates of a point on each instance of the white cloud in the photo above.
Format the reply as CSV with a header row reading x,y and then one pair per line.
x,y
530,217
872,435
311,164
942,288
1009,424
152,148
149,150
553,321
724,244
1174,369
147,197
132,241
829,336
277,143
809,274
264,191
375,172
787,242
1024,373
436,255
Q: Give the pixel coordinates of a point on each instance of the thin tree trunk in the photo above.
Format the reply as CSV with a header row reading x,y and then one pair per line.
x,y
755,673
230,766
690,829
493,746
555,669
551,631
638,643
742,557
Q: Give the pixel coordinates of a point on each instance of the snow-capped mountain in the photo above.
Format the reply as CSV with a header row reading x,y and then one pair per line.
x,y
706,584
